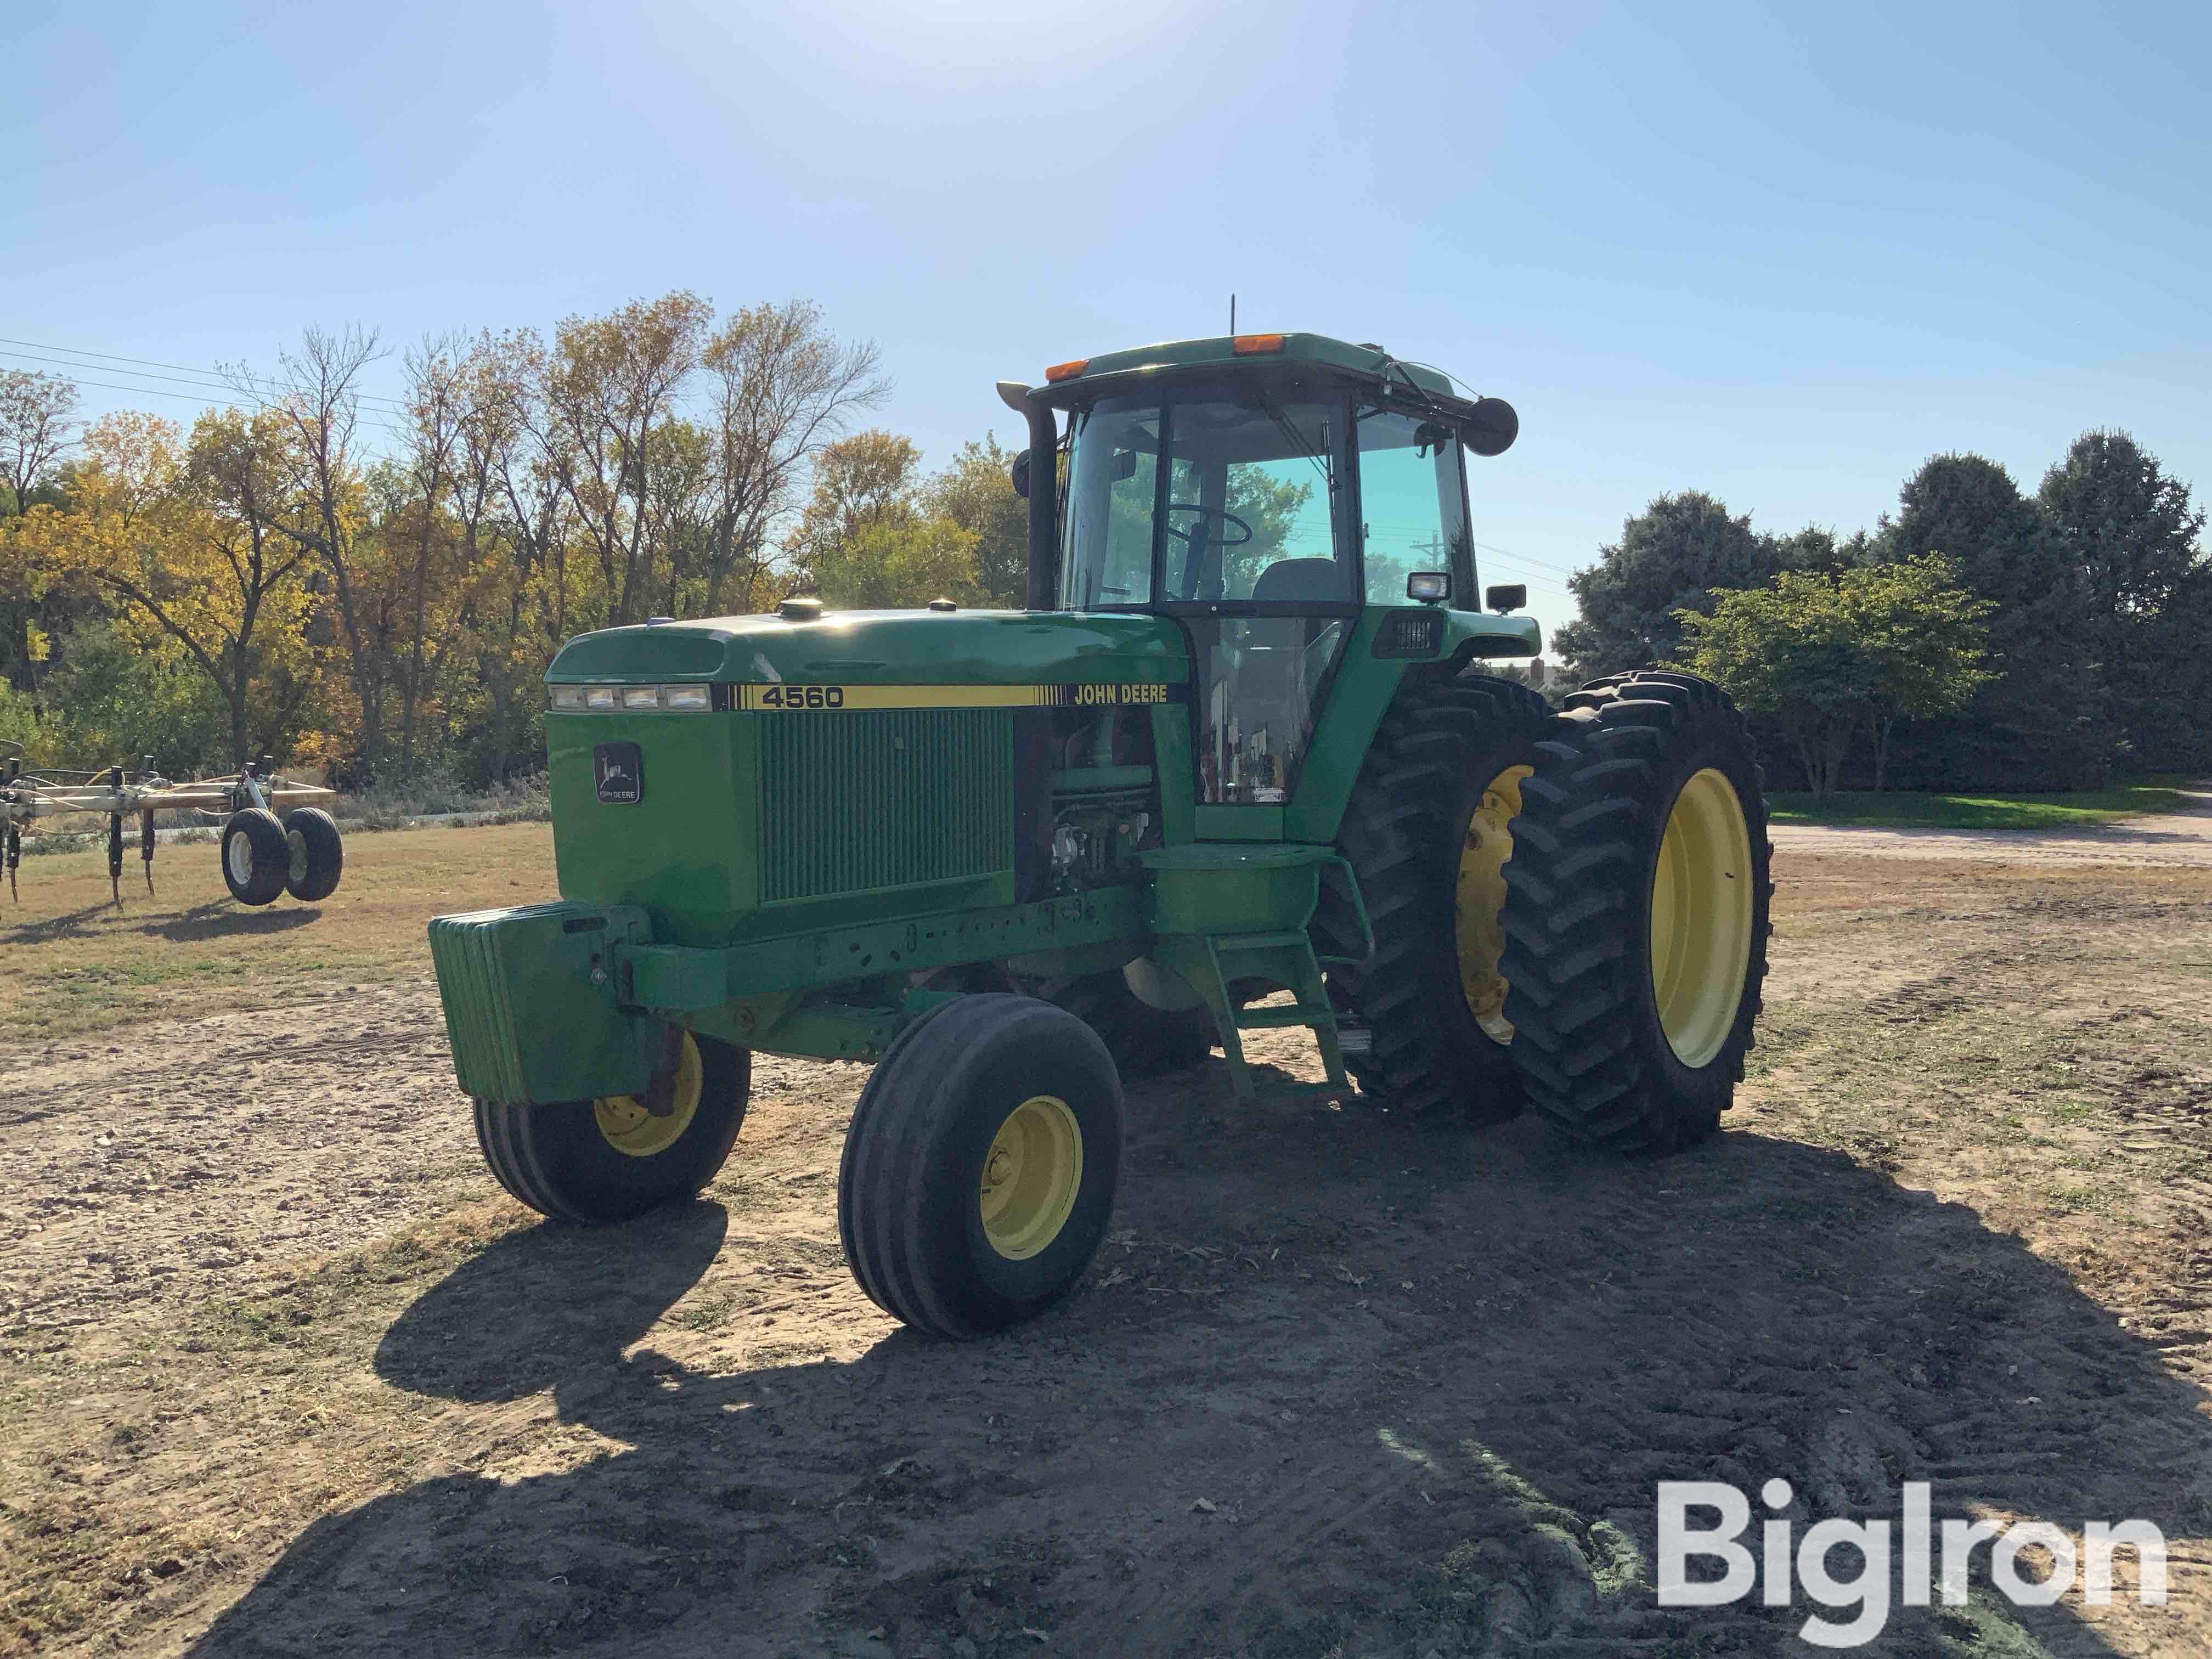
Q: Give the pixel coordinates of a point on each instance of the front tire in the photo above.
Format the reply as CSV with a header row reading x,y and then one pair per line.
x,y
256,857
1637,913
596,1161
979,1172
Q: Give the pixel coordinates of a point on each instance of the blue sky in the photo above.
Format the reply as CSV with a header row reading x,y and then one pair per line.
x,y
1782,253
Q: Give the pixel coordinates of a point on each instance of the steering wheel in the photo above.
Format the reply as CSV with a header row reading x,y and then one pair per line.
x,y
1191,534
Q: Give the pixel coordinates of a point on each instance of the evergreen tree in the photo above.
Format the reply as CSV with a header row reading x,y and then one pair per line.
x,y
2044,714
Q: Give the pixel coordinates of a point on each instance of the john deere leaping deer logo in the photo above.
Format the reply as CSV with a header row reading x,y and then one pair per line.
x,y
619,774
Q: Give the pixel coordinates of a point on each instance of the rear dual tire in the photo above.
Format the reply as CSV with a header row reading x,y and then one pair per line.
x,y
1426,832
1637,913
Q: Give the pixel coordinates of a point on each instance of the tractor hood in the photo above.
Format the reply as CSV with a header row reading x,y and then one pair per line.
x,y
884,648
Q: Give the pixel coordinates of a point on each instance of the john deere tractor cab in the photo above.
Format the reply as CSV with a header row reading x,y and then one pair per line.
x,y
1242,742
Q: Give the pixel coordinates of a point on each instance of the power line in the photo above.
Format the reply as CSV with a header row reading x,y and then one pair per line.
x,y
1523,558
233,393
394,403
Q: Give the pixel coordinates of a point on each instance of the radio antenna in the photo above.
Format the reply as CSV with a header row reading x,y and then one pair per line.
x,y
1232,313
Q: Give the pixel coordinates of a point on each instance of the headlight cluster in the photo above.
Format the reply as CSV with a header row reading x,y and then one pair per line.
x,y
630,696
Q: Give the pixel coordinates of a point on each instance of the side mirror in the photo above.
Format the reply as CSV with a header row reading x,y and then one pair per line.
x,y
1502,598
1020,471
1491,428
1429,586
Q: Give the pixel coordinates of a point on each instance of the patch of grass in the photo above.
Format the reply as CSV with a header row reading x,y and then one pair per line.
x,y
80,963
1910,809
709,1312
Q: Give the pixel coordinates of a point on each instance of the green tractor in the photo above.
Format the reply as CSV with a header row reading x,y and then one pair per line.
x,y
1240,743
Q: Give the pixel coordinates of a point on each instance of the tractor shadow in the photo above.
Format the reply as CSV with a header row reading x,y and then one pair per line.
x,y
1333,1380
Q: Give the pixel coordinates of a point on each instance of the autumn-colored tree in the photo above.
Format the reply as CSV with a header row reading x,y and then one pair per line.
x,y
781,388
898,563
610,386
975,491
37,420
159,531
867,481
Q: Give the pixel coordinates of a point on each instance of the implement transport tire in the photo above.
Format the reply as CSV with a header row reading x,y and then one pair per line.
x,y
256,856
1427,832
596,1161
979,1172
1636,914
317,854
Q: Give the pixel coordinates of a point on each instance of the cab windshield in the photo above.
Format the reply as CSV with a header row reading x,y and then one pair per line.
x,y
1207,500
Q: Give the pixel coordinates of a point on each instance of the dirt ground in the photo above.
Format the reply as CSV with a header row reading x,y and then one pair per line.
x,y
2143,838
280,1375
78,963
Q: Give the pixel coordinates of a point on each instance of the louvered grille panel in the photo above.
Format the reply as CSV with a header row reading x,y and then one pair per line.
x,y
886,798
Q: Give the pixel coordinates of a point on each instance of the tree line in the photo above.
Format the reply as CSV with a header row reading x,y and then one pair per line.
x,y
375,585
1976,637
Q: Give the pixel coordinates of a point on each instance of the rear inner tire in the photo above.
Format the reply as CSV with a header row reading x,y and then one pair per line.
x,y
1442,744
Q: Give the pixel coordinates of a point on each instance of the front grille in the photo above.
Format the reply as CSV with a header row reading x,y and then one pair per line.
x,y
887,797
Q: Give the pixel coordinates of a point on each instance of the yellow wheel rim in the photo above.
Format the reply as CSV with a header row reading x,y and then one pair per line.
x,y
1701,902
1478,921
1030,1177
629,1129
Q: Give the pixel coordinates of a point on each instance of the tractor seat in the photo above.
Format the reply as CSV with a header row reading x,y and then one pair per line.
x,y
1302,578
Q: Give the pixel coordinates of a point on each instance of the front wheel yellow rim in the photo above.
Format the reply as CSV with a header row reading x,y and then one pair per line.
x,y
1479,926
1701,906
1030,1177
630,1129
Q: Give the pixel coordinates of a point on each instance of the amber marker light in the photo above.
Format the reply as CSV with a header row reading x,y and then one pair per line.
x,y
1255,345
1067,371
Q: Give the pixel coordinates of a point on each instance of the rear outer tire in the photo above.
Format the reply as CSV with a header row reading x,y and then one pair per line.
x,y
256,856
317,855
1440,746
1635,756
559,1160
926,1225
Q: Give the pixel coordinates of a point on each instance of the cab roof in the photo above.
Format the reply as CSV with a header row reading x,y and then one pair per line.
x,y
1250,351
